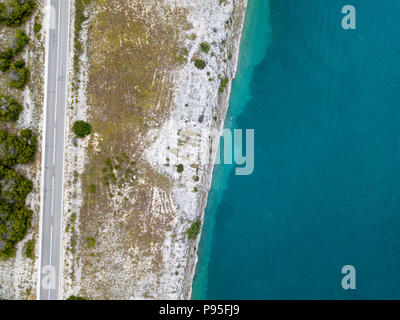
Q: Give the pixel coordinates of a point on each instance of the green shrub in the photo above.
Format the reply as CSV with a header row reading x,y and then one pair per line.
x,y
19,75
19,42
180,168
199,64
224,83
205,47
14,188
90,242
15,219
14,149
29,249
37,27
14,48
82,129
194,230
4,64
92,188
5,59
75,298
14,224
10,109
14,12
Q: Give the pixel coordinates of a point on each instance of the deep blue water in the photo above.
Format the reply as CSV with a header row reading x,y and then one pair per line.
x,y
325,106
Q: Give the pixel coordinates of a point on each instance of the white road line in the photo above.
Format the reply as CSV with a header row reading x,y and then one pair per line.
x,y
54,148
51,245
52,194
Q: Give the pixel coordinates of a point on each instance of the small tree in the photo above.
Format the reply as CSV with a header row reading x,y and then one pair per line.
x,y
19,75
194,230
205,47
5,59
224,83
199,64
37,27
180,168
29,249
82,129
15,223
19,42
10,109
90,242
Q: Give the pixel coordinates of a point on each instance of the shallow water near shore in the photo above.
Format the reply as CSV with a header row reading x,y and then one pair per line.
x,y
324,103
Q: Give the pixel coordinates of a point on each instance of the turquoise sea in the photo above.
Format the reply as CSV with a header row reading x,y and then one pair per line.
x,y
325,106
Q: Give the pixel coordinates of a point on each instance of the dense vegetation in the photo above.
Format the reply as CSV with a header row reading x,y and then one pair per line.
x,y
19,75
14,224
14,48
82,129
19,42
5,60
14,12
10,109
17,150
15,218
14,188
18,72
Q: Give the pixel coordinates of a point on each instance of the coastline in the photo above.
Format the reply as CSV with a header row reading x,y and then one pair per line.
x,y
198,105
191,207
236,39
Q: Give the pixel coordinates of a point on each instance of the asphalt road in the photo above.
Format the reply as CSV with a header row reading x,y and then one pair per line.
x,y
52,205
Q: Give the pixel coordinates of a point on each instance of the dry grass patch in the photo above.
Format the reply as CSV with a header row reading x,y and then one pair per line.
x,y
132,53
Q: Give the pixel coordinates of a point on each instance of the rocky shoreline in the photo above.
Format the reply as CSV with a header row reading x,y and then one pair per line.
x,y
191,207
235,38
